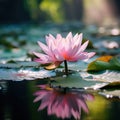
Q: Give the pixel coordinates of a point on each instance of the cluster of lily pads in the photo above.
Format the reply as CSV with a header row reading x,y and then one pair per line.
x,y
68,66
81,74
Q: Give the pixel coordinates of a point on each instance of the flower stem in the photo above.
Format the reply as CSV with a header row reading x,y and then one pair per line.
x,y
66,67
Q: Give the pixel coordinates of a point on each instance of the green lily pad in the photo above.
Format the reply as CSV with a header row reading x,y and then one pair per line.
x,y
28,64
77,66
111,93
19,64
76,81
104,63
103,76
25,74
13,54
9,65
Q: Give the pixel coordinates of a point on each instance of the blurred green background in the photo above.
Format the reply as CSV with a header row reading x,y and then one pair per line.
x,y
60,11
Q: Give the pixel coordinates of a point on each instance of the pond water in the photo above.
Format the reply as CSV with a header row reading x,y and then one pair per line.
x,y
30,92
16,103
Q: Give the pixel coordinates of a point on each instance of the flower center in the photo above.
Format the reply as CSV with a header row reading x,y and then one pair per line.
x,y
66,57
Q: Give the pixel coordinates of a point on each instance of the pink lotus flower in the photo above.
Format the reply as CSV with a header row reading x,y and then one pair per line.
x,y
63,104
61,49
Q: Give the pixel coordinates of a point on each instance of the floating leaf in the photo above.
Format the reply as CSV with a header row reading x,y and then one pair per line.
x,y
19,64
25,74
13,54
90,44
10,65
31,74
76,66
104,76
105,58
53,65
76,81
111,93
103,63
28,64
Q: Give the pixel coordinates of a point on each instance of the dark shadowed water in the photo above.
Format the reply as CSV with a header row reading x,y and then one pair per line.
x,y
16,103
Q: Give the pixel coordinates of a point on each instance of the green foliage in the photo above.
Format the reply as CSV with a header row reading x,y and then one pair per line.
x,y
52,9
33,8
76,81
112,64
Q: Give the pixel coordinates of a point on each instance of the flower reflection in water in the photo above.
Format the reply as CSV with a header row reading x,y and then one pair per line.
x,y
64,103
